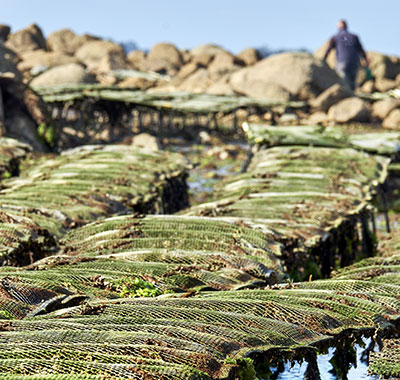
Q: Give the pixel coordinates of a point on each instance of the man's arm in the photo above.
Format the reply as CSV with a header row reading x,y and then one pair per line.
x,y
332,44
361,51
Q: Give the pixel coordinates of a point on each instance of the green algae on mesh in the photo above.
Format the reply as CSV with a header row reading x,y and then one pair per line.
x,y
88,182
264,136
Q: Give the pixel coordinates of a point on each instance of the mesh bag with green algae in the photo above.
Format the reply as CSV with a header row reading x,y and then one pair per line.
x,y
174,337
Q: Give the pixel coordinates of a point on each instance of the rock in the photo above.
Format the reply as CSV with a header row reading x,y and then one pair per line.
x,y
43,58
349,110
4,32
224,63
384,84
392,121
163,58
137,83
205,137
207,49
331,59
368,87
202,59
221,87
330,96
249,56
28,39
136,58
144,140
102,56
65,41
260,89
382,108
196,83
317,118
301,74
383,66
166,52
159,66
186,57
187,70
8,61
288,118
70,73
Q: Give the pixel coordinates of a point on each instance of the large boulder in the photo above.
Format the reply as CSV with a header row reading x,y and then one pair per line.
x,y
188,69
136,58
102,56
383,66
163,58
4,32
35,58
207,49
137,83
65,41
392,121
349,110
198,82
382,108
70,73
224,63
221,87
300,74
330,96
249,56
166,52
331,59
28,39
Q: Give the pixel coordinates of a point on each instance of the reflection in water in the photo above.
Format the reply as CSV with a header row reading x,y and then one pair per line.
x,y
345,361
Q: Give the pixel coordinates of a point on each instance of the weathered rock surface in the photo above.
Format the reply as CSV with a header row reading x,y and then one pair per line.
x,y
330,96
197,82
69,73
188,69
144,140
224,63
102,56
317,118
207,49
383,66
28,39
300,74
249,56
136,58
67,42
202,59
163,58
166,52
4,32
384,84
392,121
349,110
221,87
44,58
382,108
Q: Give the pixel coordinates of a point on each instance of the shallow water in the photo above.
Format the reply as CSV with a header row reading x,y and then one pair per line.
x,y
358,372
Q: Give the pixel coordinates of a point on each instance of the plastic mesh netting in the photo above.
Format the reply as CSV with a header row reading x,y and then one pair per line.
x,y
387,362
170,337
264,136
175,253
314,197
55,194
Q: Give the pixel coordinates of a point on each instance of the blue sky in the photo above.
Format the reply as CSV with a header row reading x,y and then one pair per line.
x,y
234,24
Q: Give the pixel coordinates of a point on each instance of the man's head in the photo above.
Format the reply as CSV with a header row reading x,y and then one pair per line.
x,y
342,25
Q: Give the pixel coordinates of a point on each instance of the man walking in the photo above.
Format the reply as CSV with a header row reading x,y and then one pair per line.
x,y
348,53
